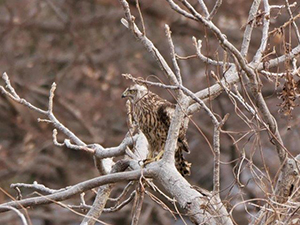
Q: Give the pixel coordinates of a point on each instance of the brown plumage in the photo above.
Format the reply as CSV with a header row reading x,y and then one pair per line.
x,y
153,116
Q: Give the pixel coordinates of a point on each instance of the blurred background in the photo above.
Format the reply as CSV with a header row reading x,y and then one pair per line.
x,y
82,46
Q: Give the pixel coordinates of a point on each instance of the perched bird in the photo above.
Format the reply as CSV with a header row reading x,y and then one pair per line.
x,y
153,116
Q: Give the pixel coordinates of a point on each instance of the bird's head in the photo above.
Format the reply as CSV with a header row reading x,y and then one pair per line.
x,y
135,92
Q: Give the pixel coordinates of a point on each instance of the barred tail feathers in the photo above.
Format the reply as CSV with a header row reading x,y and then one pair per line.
x,y
183,166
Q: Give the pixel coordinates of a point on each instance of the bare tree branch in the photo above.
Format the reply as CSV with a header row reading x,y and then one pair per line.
x,y
249,27
38,187
215,9
22,217
265,34
139,199
198,46
173,54
204,8
270,192
129,23
288,8
98,205
78,188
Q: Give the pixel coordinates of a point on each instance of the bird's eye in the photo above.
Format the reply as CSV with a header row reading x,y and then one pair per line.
x,y
132,91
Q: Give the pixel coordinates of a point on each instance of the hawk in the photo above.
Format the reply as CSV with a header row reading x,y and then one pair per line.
x,y
153,115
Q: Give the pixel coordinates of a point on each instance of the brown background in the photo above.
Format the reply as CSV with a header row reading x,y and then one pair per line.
x,y
82,46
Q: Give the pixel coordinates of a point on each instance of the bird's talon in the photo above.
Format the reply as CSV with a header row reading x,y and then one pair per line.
x,y
148,161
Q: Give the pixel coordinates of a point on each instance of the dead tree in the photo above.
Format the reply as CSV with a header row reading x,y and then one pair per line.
x,y
235,75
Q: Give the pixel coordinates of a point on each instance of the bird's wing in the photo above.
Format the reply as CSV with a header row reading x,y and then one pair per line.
x,y
182,142
165,112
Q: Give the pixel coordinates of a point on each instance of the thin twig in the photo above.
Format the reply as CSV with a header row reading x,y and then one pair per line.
x,y
178,9
265,34
204,8
173,54
288,7
284,25
121,204
198,46
22,217
60,14
123,193
14,96
129,23
139,199
179,213
38,187
215,9
141,16
71,209
161,203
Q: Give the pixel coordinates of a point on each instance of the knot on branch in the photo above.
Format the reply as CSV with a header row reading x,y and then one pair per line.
x,y
288,180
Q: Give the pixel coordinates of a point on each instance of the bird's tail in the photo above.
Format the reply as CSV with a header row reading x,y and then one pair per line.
x,y
183,166
183,144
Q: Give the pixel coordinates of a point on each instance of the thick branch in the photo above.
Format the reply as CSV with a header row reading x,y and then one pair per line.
x,y
249,27
200,207
79,188
102,153
98,206
174,128
265,34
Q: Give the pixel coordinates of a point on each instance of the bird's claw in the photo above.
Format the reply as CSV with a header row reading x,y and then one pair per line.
x,y
150,160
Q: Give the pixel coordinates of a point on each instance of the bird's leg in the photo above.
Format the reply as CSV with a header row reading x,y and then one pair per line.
x,y
151,159
148,160
159,155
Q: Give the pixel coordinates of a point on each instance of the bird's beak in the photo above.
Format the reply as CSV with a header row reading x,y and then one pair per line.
x,y
124,95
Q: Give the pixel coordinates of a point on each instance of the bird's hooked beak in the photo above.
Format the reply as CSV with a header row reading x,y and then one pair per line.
x,y
125,93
